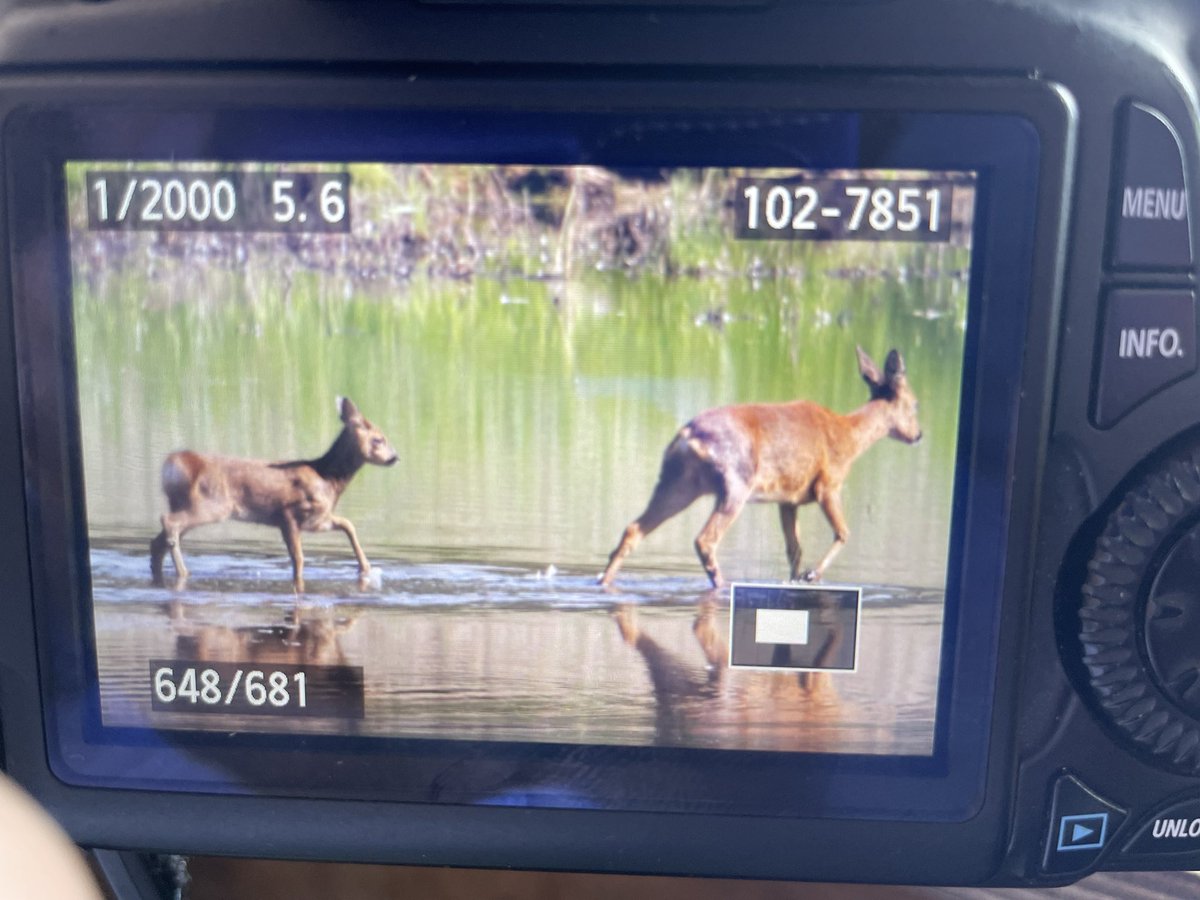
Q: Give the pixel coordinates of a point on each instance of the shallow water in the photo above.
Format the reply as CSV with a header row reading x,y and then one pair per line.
x,y
473,651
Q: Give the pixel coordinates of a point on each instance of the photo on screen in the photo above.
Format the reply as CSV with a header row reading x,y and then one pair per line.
x,y
475,452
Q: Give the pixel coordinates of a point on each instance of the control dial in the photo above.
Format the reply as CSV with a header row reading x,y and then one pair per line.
x,y
1140,619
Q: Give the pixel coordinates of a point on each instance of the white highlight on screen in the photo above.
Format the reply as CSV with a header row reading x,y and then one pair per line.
x,y
781,626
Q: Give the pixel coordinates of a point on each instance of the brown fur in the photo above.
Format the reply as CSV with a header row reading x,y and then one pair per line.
x,y
297,496
785,453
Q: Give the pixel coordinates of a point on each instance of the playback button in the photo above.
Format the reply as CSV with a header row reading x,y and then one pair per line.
x,y
1082,825
1148,342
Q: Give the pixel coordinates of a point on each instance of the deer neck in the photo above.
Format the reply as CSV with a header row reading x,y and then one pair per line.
x,y
867,425
341,461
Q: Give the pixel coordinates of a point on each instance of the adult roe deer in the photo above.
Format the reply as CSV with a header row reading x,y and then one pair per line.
x,y
786,453
295,496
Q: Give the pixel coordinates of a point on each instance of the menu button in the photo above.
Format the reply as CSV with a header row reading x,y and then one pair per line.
x,y
1154,204
1151,227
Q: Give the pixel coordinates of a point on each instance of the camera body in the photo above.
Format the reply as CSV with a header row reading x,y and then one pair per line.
x,y
1056,717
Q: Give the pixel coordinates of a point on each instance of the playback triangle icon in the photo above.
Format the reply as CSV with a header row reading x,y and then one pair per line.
x,y
1083,832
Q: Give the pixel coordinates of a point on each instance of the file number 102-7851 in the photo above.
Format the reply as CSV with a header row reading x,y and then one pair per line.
x,y
839,209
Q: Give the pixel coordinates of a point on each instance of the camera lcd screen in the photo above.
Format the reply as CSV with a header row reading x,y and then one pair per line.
x,y
646,461
659,457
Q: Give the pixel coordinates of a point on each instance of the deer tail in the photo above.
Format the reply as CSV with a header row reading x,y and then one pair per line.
x,y
688,443
680,458
178,475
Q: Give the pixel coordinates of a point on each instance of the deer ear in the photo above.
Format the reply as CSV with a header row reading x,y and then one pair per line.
x,y
867,369
893,366
348,411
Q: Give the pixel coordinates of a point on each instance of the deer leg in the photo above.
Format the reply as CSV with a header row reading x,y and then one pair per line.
x,y
831,505
669,499
174,527
729,505
291,537
158,550
347,527
791,536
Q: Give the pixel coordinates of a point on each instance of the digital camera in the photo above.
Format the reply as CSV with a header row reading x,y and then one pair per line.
x,y
734,439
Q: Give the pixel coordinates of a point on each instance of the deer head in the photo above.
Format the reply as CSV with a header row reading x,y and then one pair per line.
x,y
373,445
892,387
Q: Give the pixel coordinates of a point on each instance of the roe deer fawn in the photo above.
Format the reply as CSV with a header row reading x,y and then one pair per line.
x,y
786,453
294,496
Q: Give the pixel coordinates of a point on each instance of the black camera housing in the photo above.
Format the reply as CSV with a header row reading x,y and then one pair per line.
x,y
1072,731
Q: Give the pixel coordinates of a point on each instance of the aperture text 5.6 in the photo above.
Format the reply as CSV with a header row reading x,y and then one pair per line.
x,y
240,688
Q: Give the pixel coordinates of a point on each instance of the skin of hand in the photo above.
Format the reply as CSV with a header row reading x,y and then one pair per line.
x,y
37,859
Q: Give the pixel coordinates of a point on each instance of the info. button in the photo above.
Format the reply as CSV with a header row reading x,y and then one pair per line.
x,y
1149,341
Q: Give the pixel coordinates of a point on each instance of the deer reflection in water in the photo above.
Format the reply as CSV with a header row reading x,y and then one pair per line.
x,y
309,640
694,704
